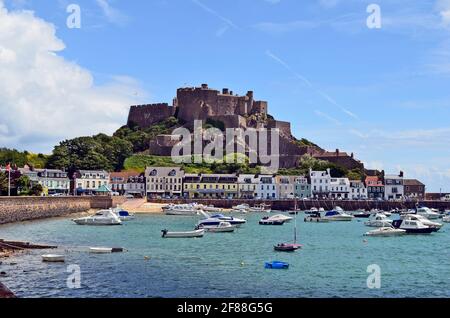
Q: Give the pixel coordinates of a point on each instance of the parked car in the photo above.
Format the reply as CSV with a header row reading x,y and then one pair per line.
x,y
129,196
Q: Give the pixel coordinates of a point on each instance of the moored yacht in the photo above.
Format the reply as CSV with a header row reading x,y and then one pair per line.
x,y
416,217
386,231
412,227
281,217
426,212
102,217
180,209
336,215
269,221
223,227
216,219
316,217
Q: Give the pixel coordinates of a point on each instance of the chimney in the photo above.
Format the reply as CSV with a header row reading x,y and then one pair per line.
x,y
352,155
204,86
401,174
231,93
337,152
225,91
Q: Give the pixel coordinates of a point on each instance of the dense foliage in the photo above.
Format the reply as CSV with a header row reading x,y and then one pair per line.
x,y
91,153
20,159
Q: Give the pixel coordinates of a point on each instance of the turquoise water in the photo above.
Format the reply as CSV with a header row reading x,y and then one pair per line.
x,y
332,263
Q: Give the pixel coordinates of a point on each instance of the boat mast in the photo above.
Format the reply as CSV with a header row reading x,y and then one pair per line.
x,y
295,221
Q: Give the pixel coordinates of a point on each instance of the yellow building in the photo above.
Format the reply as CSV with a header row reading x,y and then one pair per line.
x,y
210,186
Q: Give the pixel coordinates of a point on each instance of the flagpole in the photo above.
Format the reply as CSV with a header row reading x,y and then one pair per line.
x,y
9,182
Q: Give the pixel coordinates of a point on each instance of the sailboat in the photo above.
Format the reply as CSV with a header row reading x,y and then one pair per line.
x,y
289,247
296,210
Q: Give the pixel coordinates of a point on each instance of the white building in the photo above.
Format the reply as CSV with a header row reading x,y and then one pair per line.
x,y
320,183
164,181
88,181
266,188
339,188
247,184
358,190
393,187
302,188
53,181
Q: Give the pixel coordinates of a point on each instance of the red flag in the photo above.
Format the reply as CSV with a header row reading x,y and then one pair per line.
x,y
8,167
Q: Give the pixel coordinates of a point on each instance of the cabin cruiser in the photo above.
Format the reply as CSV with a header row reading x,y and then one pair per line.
x,y
316,217
180,209
362,214
312,210
223,227
336,215
380,220
426,212
102,217
215,220
446,218
386,231
412,227
417,217
243,206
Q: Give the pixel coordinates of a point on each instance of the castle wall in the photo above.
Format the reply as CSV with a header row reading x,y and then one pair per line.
x,y
283,126
147,115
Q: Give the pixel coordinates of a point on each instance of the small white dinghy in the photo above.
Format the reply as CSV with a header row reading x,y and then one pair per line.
x,y
53,258
100,250
188,234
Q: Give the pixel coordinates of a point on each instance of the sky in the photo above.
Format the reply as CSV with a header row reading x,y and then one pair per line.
x,y
381,93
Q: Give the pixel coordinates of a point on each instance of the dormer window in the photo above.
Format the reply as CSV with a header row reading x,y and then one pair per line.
x,y
153,173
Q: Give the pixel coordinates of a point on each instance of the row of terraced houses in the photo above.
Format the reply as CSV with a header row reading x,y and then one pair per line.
x,y
169,182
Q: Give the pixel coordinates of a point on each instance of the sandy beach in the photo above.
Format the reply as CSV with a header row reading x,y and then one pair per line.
x,y
138,206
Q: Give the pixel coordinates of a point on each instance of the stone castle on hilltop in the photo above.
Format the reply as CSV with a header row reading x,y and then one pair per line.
x,y
231,111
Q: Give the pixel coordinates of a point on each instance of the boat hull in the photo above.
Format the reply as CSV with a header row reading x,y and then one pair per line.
x,y
192,234
96,222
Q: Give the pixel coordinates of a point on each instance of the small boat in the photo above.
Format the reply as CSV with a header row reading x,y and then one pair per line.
x,y
412,227
426,212
388,214
53,258
281,217
102,217
100,250
243,206
189,234
312,210
416,217
362,215
285,247
180,210
214,220
316,217
380,220
446,218
260,208
276,265
223,227
386,231
268,221
336,215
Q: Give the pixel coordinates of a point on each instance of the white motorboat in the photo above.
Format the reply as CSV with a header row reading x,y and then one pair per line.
x,y
102,217
243,206
181,209
412,227
53,258
336,215
223,227
426,212
260,208
380,220
267,220
388,214
417,217
216,219
188,234
386,231
281,217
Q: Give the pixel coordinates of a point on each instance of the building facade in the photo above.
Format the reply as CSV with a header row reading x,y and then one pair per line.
x,y
53,181
375,188
87,182
266,188
285,187
339,188
211,186
247,184
320,183
414,189
164,182
136,186
302,188
393,187
358,190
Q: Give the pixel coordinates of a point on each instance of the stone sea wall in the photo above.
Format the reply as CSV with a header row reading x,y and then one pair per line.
x,y
18,209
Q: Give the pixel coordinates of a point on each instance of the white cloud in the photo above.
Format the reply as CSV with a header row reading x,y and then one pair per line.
x,y
112,14
443,7
328,3
45,98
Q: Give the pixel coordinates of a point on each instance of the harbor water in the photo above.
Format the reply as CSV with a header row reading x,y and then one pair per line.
x,y
332,263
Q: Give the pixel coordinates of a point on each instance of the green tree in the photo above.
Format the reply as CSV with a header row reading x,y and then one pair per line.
x,y
36,190
23,184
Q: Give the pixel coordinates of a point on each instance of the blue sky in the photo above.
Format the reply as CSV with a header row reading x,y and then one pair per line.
x,y
380,93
